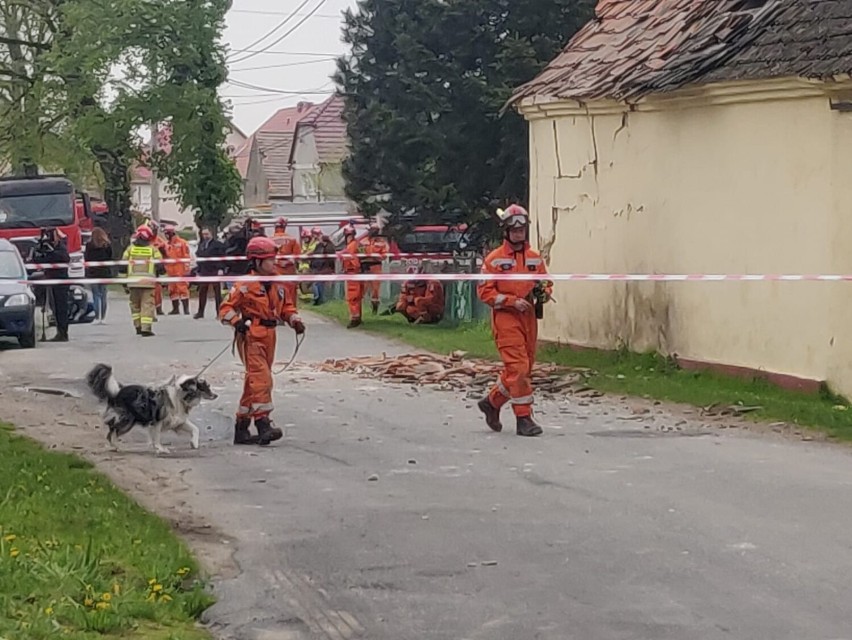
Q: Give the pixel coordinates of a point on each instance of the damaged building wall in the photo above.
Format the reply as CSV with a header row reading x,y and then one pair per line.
x,y
751,187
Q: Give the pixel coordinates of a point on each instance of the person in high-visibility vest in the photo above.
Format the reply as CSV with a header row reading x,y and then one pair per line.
x,y
142,253
160,245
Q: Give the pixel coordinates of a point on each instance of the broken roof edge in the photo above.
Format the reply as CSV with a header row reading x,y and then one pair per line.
x,y
690,96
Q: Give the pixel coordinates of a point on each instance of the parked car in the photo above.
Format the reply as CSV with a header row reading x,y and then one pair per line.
x,y
17,301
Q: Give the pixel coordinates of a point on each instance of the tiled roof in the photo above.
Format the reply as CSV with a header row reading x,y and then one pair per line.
x,y
329,130
275,147
275,142
242,155
808,38
636,47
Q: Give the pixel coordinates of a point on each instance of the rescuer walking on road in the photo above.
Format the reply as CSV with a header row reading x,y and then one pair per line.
x,y
177,249
352,264
142,254
253,309
514,320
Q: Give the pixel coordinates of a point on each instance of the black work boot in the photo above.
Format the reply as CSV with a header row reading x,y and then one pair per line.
x,y
160,311
138,331
528,428
266,432
185,304
354,322
61,336
175,308
492,414
241,432
375,307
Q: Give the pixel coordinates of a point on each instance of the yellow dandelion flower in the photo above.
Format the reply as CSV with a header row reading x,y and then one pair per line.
x,y
102,606
166,598
49,611
116,589
183,571
10,538
14,552
157,588
106,597
152,581
88,602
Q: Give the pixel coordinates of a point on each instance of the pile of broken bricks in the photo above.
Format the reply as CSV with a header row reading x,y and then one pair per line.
x,y
456,372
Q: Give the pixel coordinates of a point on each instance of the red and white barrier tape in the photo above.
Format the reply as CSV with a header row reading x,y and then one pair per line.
x,y
281,258
461,277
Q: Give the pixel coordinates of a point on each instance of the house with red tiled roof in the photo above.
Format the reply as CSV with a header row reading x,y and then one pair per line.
x,y
319,147
264,160
701,137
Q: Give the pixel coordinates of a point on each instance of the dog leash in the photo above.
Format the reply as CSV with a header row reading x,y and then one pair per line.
x,y
230,346
299,340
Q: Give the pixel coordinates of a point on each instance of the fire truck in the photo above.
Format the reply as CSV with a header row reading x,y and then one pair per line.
x,y
29,205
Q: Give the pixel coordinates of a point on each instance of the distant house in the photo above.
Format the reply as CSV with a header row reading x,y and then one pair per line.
x,y
264,159
170,210
683,136
318,151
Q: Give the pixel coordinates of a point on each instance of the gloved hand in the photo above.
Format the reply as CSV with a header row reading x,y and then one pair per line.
x,y
242,326
522,305
298,326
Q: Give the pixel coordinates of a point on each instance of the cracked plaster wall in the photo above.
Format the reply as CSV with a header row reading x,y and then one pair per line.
x,y
741,188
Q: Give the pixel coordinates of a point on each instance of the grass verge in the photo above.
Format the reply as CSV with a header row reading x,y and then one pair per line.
x,y
642,375
79,559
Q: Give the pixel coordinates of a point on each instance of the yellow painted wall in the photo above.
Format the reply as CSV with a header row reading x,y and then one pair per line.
x,y
756,187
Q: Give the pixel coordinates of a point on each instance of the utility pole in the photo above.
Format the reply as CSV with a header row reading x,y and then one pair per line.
x,y
155,181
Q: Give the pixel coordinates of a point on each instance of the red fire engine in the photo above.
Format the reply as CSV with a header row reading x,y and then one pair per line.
x,y
30,204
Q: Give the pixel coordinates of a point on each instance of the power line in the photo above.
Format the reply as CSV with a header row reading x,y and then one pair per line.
x,y
288,53
286,33
269,92
287,19
286,64
338,16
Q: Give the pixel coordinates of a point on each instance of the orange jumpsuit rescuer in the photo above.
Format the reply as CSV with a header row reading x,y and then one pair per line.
x,y
254,310
287,246
377,247
352,264
513,321
177,249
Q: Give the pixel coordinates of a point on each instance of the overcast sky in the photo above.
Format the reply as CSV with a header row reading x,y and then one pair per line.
x,y
289,70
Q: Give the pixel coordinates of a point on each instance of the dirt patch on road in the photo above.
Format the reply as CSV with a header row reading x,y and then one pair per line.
x,y
73,425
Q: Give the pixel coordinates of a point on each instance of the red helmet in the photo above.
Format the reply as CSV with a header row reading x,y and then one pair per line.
x,y
144,232
170,228
514,217
281,222
261,247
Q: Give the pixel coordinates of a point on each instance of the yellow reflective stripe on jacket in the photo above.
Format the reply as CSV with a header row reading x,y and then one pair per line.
x,y
135,252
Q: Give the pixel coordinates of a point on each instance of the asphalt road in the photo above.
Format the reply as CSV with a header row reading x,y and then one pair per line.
x,y
391,513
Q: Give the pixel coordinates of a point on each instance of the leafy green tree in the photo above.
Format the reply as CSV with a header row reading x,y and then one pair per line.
x,y
425,86
197,165
93,77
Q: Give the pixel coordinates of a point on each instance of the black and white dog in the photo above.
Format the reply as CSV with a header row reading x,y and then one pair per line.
x,y
155,408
